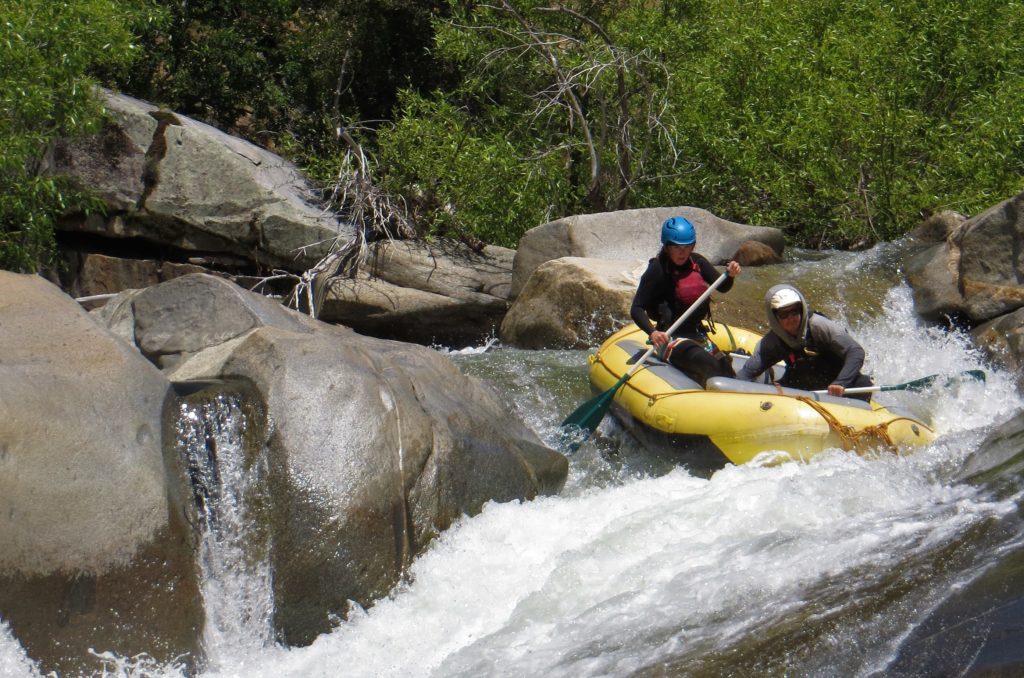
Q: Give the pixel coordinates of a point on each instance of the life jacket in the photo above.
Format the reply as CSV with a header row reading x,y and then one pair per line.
x,y
688,283
809,369
670,306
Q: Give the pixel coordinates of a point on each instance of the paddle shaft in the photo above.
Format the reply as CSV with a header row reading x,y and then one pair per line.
x,y
863,389
916,385
674,326
920,383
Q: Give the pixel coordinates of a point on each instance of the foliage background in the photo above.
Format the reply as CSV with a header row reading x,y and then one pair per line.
x,y
46,49
841,122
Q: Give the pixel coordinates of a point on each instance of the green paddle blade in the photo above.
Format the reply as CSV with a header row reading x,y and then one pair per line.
x,y
924,382
585,419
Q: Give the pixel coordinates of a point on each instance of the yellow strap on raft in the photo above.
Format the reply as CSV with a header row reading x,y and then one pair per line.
x,y
862,439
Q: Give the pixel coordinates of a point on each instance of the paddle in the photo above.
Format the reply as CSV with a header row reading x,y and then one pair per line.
x,y
916,385
578,426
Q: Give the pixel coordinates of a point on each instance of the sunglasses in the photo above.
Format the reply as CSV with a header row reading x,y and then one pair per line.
x,y
787,313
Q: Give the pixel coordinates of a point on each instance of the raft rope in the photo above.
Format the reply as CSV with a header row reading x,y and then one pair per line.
x,y
852,438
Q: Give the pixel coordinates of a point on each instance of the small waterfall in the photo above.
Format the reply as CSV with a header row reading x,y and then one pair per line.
x,y
217,427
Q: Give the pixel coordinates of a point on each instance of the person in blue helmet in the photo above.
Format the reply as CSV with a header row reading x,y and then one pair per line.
x,y
671,284
818,352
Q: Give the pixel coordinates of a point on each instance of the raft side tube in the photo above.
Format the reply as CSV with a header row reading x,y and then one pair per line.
x,y
740,386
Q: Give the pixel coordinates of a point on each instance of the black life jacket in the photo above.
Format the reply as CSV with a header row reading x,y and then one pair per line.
x,y
808,368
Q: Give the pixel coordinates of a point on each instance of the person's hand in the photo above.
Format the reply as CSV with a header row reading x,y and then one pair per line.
x,y
659,339
836,390
733,268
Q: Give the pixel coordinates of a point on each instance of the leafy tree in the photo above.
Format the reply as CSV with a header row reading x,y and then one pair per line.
x,y
842,122
287,72
47,48
838,121
559,111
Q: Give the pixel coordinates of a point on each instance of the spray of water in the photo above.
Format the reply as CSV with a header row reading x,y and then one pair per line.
x,y
13,660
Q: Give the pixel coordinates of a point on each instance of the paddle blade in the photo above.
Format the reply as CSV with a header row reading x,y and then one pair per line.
x,y
925,382
585,419
914,386
977,375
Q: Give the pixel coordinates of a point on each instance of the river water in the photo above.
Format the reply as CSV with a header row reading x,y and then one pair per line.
x,y
844,566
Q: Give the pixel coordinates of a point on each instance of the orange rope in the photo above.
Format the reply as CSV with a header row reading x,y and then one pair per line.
x,y
860,440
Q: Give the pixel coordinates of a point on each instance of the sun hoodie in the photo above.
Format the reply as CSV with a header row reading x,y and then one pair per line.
x,y
821,353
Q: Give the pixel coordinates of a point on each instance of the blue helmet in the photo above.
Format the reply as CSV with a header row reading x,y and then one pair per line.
x,y
678,231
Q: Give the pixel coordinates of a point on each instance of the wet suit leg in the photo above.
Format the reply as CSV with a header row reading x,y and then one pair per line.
x,y
699,365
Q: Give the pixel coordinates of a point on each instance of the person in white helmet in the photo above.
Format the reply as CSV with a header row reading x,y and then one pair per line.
x,y
818,352
673,281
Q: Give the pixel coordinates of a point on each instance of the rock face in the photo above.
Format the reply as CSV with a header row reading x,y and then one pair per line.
x,y
370,449
572,303
173,182
629,235
413,291
183,197
974,276
376,446
95,544
976,272
753,253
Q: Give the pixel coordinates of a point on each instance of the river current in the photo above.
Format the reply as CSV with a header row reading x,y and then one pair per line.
x,y
843,566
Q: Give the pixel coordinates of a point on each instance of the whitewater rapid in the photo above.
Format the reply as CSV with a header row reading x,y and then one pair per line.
x,y
645,573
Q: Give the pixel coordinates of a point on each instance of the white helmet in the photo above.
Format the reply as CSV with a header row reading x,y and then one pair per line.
x,y
784,297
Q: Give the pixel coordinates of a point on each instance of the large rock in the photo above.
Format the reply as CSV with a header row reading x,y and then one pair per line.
x,y
426,293
180,194
976,273
938,226
176,182
933,274
93,277
628,235
1002,339
376,446
95,549
575,303
572,303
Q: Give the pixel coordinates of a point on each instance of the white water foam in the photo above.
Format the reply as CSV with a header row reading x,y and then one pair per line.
x,y
618,579
14,663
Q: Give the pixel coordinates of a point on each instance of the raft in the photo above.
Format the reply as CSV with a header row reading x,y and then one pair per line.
x,y
735,421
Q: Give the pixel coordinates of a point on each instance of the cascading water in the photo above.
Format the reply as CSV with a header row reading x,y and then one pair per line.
x,y
227,479
845,565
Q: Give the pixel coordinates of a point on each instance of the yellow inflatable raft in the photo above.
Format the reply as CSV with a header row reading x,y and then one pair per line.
x,y
735,420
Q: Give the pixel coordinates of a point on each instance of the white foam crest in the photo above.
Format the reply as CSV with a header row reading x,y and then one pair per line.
x,y
14,663
900,349
613,580
489,343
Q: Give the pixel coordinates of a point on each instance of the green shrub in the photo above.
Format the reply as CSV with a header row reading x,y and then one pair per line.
x,y
47,50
